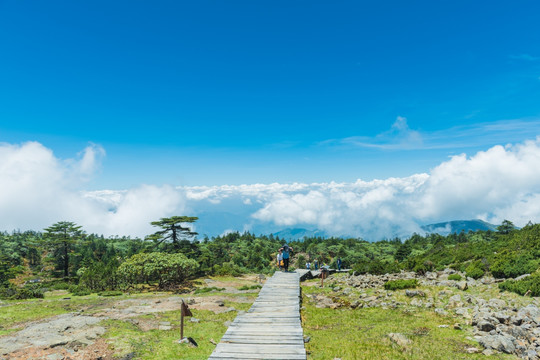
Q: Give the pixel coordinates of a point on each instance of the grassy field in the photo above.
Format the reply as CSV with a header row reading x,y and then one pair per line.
x,y
342,333
351,334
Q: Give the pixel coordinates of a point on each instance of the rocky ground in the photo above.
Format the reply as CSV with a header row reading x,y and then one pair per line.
x,y
77,335
501,322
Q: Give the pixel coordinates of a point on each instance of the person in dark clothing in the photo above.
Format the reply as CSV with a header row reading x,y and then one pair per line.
x,y
286,251
339,264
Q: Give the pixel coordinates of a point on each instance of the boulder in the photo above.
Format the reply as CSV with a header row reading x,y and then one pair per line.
x,y
399,339
498,342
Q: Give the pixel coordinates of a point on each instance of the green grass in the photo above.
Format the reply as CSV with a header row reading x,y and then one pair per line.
x,y
363,334
18,311
125,337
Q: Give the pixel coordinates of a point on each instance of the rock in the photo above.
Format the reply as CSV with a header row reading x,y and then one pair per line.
x,y
399,339
444,326
307,339
189,341
416,302
454,301
488,352
457,326
441,312
502,317
194,320
164,325
472,350
220,303
496,303
497,342
464,312
485,326
530,311
462,285
412,293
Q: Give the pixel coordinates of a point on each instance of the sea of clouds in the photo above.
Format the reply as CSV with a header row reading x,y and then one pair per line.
x,y
38,189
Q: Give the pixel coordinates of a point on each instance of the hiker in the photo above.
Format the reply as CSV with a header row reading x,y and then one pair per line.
x,y
339,264
308,265
280,259
286,256
316,264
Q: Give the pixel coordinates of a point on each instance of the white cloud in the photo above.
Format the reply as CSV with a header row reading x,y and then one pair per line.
x,y
38,189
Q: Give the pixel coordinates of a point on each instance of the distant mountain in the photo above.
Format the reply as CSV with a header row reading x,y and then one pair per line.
x,y
298,234
457,226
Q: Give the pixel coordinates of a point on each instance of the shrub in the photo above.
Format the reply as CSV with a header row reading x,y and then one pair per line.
x,y
253,287
514,265
79,290
228,268
401,284
475,270
167,270
456,277
26,292
110,293
521,287
207,290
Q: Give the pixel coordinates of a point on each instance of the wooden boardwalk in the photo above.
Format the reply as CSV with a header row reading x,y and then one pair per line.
x,y
271,328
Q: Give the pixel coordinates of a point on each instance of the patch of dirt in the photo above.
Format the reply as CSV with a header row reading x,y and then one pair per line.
x,y
98,350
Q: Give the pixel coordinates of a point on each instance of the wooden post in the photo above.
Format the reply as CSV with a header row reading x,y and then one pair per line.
x,y
184,311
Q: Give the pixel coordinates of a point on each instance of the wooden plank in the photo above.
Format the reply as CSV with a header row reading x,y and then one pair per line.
x,y
271,329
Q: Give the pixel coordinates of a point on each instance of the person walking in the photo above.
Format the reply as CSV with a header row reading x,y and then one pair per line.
x,y
316,264
339,264
280,259
286,250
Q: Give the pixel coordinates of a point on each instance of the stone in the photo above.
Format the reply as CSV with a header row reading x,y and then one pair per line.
x,y
530,311
194,320
455,301
462,285
497,342
496,303
189,341
457,326
472,350
502,317
485,326
412,293
399,339
441,312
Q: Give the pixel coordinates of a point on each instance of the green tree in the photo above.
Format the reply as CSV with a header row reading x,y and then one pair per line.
x,y
174,231
506,227
61,238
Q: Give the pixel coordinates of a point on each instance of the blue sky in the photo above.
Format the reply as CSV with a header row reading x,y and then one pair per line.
x,y
204,93
212,92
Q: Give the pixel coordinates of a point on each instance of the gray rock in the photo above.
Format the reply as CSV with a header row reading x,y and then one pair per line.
x,y
497,303
497,342
441,312
399,339
462,285
502,317
530,311
486,326
412,293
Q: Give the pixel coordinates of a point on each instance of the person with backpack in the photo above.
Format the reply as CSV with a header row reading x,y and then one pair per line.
x,y
280,259
286,251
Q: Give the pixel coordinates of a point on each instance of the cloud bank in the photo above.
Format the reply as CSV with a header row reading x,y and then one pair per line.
x,y
38,189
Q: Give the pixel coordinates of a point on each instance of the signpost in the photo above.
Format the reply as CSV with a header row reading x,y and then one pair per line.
x,y
184,311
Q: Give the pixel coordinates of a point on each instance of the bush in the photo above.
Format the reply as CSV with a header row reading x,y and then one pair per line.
x,y
456,277
78,290
475,270
514,265
168,270
26,292
110,293
400,284
521,287
253,287
228,268
207,290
